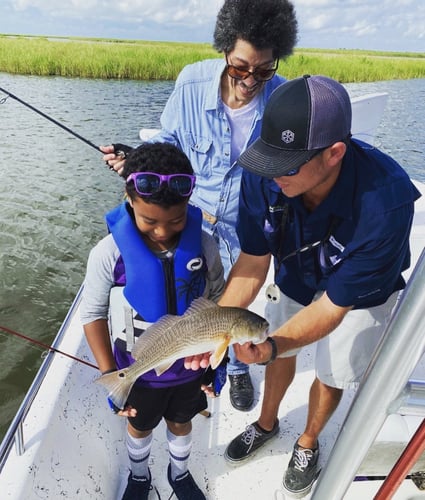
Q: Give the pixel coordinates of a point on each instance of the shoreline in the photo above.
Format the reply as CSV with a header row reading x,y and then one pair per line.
x,y
77,57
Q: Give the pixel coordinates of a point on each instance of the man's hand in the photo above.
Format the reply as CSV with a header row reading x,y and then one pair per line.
x,y
250,353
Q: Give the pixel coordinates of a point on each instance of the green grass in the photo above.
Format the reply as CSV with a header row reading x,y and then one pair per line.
x,y
144,60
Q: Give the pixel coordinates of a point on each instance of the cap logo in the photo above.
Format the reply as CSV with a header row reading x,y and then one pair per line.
x,y
287,136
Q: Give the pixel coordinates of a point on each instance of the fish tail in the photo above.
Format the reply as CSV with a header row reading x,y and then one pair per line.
x,y
118,384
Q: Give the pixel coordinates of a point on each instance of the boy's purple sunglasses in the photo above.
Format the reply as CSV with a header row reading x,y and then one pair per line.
x,y
148,183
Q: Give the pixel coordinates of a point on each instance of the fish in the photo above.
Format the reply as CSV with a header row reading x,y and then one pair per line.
x,y
204,327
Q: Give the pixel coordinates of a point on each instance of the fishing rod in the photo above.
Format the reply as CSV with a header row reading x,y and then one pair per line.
x,y
46,346
64,127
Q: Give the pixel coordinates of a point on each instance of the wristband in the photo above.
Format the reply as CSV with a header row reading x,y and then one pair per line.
x,y
274,351
113,406
109,371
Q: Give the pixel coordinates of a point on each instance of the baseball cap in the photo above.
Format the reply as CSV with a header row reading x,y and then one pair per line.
x,y
302,116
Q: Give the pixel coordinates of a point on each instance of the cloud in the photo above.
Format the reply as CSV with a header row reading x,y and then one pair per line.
x,y
383,25
386,25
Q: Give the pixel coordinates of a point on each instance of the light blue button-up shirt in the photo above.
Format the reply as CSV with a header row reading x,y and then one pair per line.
x,y
195,121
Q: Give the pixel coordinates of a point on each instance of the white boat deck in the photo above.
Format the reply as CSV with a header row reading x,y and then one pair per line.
x,y
74,448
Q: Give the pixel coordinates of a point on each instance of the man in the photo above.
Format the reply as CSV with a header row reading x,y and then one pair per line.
x,y
212,115
336,215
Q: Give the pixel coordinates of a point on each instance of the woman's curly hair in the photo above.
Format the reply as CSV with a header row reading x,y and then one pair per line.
x,y
263,23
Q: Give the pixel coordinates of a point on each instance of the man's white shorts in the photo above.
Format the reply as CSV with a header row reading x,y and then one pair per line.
x,y
342,356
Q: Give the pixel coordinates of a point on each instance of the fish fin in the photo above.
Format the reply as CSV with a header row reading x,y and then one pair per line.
x,y
163,368
200,304
219,353
118,384
164,323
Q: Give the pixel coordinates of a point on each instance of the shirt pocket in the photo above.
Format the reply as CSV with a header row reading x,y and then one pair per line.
x,y
200,152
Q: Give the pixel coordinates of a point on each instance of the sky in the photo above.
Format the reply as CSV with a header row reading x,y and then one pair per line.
x,y
389,25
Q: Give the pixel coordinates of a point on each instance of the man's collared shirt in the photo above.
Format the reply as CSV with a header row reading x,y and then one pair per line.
x,y
357,239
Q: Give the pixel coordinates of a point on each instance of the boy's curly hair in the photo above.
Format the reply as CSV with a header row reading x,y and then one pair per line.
x,y
160,158
263,23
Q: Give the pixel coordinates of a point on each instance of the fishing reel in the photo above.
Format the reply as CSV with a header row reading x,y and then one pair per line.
x,y
122,150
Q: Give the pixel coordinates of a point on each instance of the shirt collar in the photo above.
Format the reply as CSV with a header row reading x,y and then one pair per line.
x,y
213,99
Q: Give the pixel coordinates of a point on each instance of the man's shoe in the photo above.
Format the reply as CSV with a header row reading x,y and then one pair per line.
x,y
245,444
241,391
138,488
184,486
302,471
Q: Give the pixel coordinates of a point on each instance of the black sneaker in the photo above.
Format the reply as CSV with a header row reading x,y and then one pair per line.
x,y
138,488
241,391
302,471
246,443
184,486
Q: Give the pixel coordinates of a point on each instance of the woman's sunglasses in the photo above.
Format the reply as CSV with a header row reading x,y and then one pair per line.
x,y
259,74
148,183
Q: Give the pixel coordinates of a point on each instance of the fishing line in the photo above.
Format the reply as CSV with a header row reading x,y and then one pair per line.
x,y
64,127
46,346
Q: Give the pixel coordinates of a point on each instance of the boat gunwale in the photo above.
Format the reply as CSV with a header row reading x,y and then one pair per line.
x,y
14,432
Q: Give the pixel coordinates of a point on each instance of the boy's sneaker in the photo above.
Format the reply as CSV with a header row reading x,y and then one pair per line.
x,y
184,486
246,443
302,471
138,488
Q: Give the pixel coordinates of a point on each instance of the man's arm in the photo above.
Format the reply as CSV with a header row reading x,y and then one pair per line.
x,y
245,280
312,323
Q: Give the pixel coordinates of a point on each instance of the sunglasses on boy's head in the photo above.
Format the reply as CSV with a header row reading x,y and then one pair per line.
x,y
148,183
259,74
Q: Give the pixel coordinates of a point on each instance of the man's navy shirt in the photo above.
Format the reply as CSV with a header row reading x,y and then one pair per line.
x,y
363,227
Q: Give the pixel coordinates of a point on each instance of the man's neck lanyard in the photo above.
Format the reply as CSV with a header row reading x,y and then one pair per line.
x,y
304,248
272,291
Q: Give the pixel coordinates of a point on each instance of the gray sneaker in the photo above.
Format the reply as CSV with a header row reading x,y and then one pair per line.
x,y
302,471
245,444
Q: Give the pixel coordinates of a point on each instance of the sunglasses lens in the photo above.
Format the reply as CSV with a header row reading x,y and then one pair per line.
x,y
180,184
292,172
147,183
263,74
237,73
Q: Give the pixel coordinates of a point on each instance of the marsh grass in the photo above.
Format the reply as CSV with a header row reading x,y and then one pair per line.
x,y
143,60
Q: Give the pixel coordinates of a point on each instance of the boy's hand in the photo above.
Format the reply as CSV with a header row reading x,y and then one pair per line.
x,y
128,411
198,361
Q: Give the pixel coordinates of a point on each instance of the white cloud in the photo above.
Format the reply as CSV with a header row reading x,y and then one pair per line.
x,y
384,25
380,25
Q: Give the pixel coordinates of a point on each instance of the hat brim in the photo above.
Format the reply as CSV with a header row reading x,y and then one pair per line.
x,y
268,161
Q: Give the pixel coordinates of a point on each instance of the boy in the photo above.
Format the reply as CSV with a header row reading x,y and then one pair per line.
x,y
161,258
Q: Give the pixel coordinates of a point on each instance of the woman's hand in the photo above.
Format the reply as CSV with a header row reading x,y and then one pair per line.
x,y
113,158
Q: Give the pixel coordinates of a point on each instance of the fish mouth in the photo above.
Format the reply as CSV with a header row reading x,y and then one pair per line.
x,y
263,336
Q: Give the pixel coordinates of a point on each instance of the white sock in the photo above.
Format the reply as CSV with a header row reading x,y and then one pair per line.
x,y
179,448
138,452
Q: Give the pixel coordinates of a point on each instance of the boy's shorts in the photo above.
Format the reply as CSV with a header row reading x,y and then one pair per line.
x,y
179,404
342,356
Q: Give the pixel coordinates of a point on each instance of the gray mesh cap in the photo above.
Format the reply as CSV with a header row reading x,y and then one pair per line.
x,y
301,117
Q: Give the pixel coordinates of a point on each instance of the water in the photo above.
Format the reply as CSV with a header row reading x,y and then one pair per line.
x,y
55,191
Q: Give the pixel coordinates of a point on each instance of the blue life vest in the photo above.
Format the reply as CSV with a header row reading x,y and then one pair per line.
x,y
155,286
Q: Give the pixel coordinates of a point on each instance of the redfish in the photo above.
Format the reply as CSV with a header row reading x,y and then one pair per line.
x,y
205,327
